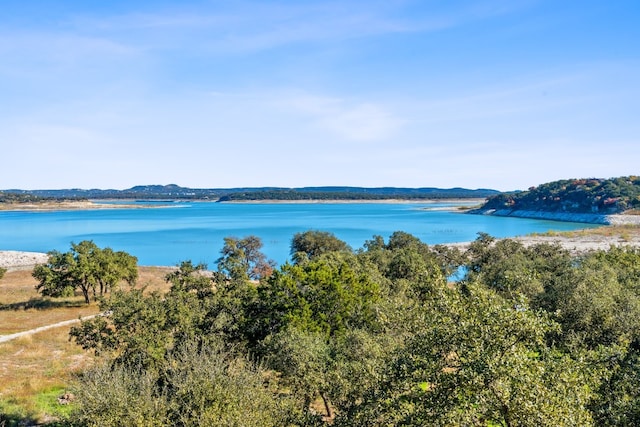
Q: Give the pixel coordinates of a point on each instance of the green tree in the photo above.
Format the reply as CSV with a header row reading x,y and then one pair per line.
x,y
514,270
618,399
141,327
281,301
326,295
85,267
170,356
407,265
191,278
112,268
303,358
478,360
242,259
597,302
301,324
2,272
311,244
335,371
625,261
359,358
137,330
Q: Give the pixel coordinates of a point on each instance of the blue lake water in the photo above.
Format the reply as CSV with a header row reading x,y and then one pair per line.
x,y
195,231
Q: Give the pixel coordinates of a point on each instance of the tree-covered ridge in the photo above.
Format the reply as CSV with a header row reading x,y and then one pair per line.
x,y
11,197
176,192
355,194
592,195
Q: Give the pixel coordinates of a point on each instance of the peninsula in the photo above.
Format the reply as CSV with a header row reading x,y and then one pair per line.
x,y
592,200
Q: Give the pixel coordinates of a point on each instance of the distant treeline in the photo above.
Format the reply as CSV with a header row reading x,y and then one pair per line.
x,y
8,197
356,194
175,192
590,195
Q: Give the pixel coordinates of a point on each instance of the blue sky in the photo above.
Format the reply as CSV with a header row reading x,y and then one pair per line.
x,y
499,94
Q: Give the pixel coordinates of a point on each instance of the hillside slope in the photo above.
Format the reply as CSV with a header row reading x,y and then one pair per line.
x,y
589,200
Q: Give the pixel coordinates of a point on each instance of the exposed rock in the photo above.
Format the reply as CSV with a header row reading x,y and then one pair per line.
x,y
66,398
17,260
587,218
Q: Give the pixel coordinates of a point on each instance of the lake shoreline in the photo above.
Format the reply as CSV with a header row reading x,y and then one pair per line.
x,y
576,242
585,218
356,201
21,260
71,205
195,230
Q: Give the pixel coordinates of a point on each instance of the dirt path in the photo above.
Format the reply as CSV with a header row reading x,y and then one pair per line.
x,y
5,338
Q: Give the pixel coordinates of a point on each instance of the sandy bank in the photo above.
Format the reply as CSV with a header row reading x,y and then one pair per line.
x,y
72,205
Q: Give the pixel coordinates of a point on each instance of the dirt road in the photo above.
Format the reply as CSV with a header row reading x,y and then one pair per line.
x,y
5,338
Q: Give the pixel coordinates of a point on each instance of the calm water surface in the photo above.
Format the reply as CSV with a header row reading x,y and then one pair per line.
x,y
195,231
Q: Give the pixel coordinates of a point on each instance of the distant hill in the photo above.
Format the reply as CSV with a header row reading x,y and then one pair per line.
x,y
10,197
175,192
589,195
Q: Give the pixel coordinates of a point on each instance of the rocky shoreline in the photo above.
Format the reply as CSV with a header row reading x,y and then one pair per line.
x,y
18,260
577,242
73,205
586,218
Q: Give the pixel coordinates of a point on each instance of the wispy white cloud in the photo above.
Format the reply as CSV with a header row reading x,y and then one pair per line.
x,y
248,26
85,41
61,60
60,45
352,120
578,99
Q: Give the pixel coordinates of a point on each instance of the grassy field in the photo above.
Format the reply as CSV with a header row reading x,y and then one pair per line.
x,y
37,369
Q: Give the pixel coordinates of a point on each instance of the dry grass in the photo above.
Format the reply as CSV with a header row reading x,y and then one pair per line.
x,y
36,364
22,308
41,365
604,231
153,278
611,230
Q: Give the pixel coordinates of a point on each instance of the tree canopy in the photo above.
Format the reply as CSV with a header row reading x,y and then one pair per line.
x,y
381,335
312,244
242,259
92,270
